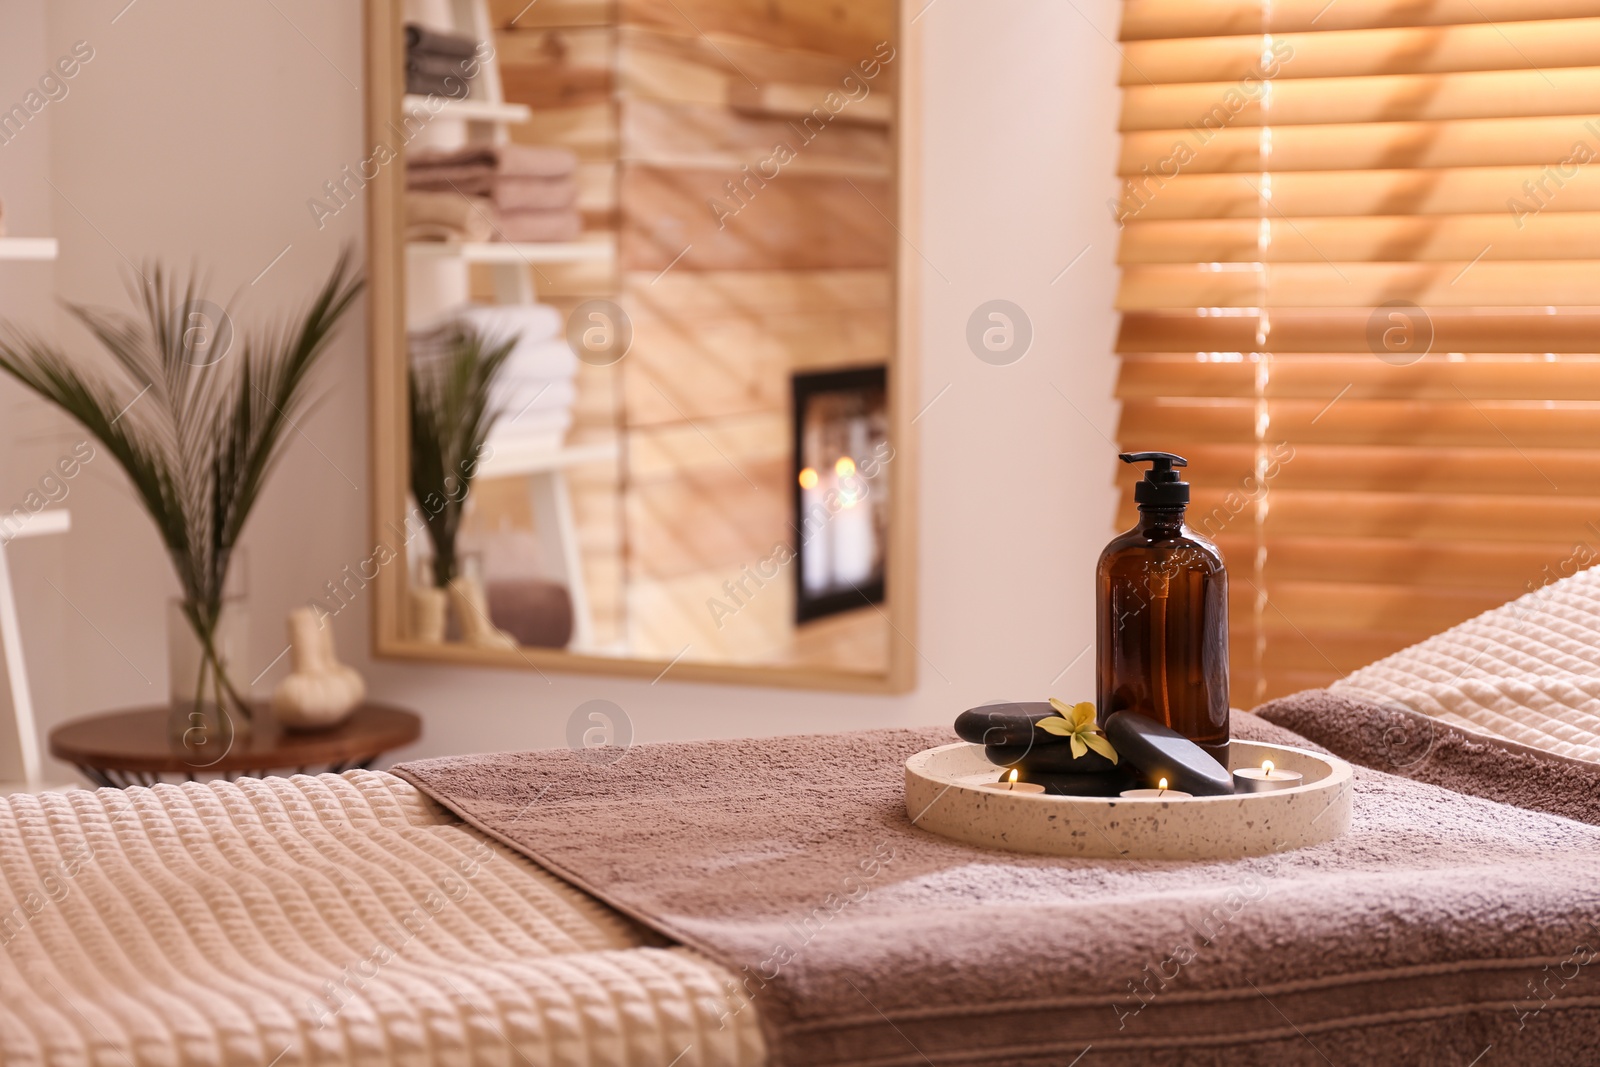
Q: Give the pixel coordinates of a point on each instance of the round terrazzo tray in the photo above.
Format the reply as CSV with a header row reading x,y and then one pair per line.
x,y
944,795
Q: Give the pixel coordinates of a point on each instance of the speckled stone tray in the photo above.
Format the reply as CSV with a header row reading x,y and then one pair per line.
x,y
944,795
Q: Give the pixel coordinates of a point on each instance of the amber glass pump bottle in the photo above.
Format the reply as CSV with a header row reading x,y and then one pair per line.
x,y
1162,598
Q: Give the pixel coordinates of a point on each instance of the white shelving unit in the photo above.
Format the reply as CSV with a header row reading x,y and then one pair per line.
x,y
513,254
437,280
42,524
36,249
470,110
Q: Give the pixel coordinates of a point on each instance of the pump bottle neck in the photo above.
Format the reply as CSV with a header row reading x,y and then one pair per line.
x,y
1164,520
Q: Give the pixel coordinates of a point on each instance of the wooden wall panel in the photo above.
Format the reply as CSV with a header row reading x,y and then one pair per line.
x,y
795,222
707,519
541,14
665,133
705,366
665,102
558,68
834,27
743,443
691,68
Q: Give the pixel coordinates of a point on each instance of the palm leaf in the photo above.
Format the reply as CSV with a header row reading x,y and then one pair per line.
x,y
197,440
452,411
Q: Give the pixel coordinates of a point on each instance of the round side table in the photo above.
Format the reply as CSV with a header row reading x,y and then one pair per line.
x,y
136,747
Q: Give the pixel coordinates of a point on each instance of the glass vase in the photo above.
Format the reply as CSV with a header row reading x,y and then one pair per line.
x,y
209,701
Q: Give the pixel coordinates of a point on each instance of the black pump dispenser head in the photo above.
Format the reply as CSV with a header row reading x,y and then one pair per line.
x,y
1160,488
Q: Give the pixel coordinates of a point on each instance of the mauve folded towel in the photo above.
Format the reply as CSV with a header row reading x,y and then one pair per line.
x,y
1391,737
534,226
532,161
1440,928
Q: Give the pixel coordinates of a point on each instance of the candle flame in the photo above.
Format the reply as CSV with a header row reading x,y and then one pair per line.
x,y
1163,783
1013,778
844,466
1266,766
808,479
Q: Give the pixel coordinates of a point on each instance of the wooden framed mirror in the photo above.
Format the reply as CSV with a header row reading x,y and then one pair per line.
x,y
627,260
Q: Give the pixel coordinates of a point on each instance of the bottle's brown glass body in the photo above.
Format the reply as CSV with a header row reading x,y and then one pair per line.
x,y
1162,597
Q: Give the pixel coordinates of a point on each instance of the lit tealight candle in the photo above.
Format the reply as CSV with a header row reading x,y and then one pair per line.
x,y
1265,779
1011,785
1161,792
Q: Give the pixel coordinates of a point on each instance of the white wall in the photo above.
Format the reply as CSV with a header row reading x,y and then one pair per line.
x,y
199,131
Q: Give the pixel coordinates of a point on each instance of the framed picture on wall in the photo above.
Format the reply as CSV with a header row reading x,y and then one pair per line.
x,y
841,497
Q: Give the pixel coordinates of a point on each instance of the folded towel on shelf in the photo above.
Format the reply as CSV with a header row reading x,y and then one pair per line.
x,y
515,449
551,357
450,86
440,66
533,226
532,430
434,216
509,192
522,160
528,400
420,39
531,323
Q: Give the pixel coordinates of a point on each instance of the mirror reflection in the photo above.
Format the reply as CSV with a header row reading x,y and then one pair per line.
x,y
649,302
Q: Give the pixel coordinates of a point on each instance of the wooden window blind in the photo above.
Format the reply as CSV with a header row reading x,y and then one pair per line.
x,y
1360,291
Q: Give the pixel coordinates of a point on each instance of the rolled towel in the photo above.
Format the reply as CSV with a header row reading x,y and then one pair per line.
x,y
535,226
420,38
524,160
448,217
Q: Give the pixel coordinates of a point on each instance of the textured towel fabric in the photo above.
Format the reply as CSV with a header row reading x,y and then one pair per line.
x,y
1504,706
531,161
322,920
1439,925
1528,671
1396,739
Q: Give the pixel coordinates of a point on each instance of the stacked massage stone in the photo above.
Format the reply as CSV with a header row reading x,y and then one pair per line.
x,y
1147,751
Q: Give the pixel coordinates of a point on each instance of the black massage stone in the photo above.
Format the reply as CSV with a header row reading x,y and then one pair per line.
x,y
1007,724
1158,752
1048,759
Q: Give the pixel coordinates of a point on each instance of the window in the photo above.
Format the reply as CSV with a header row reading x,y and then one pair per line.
x,y
1360,292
